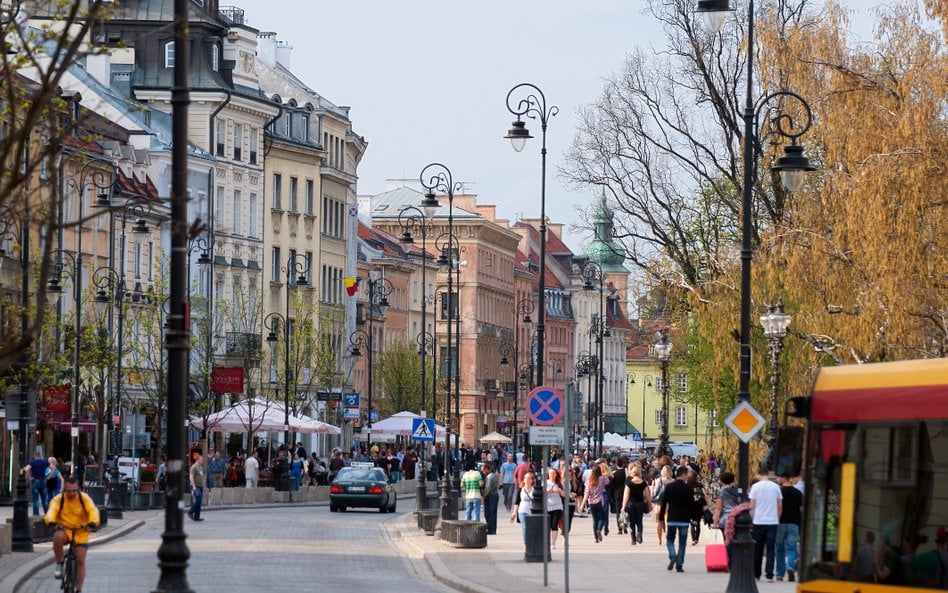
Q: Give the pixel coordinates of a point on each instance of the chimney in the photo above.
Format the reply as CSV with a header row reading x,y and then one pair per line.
x,y
266,48
212,7
283,51
99,66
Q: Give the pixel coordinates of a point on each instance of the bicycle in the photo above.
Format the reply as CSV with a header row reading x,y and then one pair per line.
x,y
70,566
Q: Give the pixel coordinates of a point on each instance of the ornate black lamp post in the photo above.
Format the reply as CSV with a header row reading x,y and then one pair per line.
x,y
775,323
663,350
296,272
173,552
792,166
410,218
112,290
436,177
22,536
204,247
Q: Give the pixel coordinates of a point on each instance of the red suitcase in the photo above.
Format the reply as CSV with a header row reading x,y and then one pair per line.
x,y
715,558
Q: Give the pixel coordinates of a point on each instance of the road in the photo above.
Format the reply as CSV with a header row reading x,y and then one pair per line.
x,y
265,549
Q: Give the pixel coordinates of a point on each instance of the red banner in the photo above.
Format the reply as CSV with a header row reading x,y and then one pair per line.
x,y
56,399
227,380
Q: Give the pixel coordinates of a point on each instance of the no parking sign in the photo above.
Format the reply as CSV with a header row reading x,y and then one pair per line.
x,y
545,406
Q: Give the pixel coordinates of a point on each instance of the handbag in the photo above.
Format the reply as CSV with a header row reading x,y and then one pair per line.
x,y
708,517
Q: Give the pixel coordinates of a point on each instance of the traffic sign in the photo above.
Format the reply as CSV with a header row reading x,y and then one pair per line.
x,y
744,421
423,429
547,435
545,406
351,400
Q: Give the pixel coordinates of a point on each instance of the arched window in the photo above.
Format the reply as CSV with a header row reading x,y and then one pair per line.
x,y
169,54
215,57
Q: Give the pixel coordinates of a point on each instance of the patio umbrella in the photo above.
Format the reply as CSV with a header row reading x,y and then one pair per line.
x,y
255,415
494,438
306,424
400,424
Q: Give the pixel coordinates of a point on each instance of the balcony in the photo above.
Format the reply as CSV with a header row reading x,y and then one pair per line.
x,y
242,344
231,15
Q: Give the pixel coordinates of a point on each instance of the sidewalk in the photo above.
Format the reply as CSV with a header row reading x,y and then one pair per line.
x,y
613,566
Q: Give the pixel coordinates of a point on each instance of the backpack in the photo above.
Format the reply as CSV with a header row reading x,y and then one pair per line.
x,y
658,490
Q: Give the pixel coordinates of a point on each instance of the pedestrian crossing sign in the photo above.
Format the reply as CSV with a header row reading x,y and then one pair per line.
x,y
423,429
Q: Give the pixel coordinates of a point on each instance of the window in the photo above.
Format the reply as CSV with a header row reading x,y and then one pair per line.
x,y
305,130
713,418
252,224
138,261
215,57
291,261
219,206
658,417
151,261
169,54
237,211
288,124
294,189
253,146
682,380
309,268
275,265
444,306
277,191
444,361
681,416
220,136
310,197
659,387
238,141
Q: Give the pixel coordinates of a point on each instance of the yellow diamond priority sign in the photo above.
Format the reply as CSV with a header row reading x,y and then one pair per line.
x,y
745,421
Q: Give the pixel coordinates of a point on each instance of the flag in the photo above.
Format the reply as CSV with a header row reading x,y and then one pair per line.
x,y
352,285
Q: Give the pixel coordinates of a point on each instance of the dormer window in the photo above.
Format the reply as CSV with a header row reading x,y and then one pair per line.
x,y
215,57
305,130
169,54
288,124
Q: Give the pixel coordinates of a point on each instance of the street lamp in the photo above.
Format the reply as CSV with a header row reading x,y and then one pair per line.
x,y
22,536
296,273
792,166
409,218
204,247
599,328
111,289
775,323
663,350
533,105
436,177
646,382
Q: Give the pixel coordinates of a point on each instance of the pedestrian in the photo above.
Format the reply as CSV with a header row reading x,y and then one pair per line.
x,y
36,475
788,530
701,504
658,493
676,511
198,479
491,497
766,503
217,469
162,475
594,500
507,471
471,484
616,489
524,507
252,470
296,472
394,467
54,479
554,502
729,496
636,501
575,493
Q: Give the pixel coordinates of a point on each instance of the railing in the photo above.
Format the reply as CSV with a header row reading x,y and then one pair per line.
x,y
243,344
232,15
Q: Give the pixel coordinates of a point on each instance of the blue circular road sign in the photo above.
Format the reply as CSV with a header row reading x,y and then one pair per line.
x,y
545,406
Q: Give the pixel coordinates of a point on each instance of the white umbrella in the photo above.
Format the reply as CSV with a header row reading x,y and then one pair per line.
x,y
248,415
400,424
495,437
306,424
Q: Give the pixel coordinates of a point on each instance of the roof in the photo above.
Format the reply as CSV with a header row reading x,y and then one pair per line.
x,y
888,391
388,205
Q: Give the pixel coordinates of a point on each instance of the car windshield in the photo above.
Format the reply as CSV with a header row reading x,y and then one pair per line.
x,y
361,474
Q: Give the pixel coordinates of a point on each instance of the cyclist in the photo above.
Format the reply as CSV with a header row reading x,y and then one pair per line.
x,y
74,514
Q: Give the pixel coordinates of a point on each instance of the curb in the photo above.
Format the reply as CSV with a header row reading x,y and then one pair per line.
x,y
13,580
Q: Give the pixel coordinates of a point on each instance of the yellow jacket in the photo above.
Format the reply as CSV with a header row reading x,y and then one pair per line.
x,y
72,514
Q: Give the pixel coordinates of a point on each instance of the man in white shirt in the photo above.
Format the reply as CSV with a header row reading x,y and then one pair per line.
x,y
766,505
252,470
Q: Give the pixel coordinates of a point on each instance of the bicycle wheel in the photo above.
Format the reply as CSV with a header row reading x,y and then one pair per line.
x,y
69,572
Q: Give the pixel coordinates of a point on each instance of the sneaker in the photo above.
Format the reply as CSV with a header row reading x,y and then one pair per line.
x,y
679,569
58,572
770,579
780,579
671,564
198,518
190,515
790,576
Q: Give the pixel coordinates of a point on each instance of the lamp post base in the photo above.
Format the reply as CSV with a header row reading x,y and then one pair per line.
x,y
117,492
536,542
421,491
22,537
449,508
742,579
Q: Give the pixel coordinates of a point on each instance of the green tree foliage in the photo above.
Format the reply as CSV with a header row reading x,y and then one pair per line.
x,y
399,375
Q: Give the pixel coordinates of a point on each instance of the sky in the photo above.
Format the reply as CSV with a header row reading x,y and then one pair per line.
x,y
427,81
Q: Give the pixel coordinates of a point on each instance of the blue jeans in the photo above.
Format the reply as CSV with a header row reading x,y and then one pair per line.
x,y
473,508
38,488
491,501
677,531
198,495
765,536
523,526
396,476
787,536
600,516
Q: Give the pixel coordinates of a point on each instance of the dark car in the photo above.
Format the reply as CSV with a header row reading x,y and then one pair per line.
x,y
358,486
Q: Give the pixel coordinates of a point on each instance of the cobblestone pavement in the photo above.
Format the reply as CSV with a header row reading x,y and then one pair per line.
x,y
271,548
260,549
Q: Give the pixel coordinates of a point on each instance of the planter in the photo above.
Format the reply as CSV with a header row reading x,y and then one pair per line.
x,y
146,486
